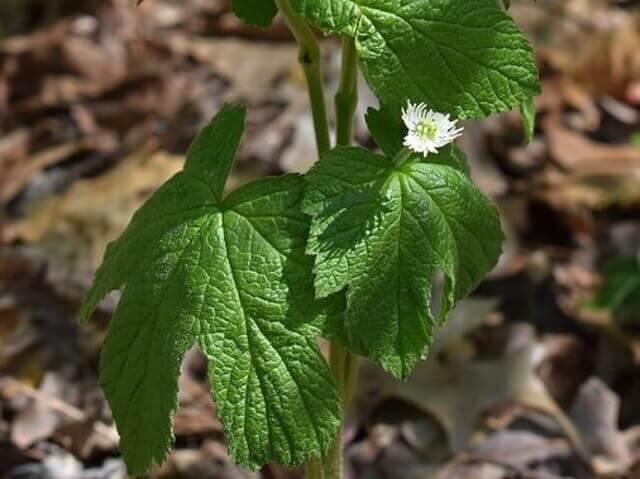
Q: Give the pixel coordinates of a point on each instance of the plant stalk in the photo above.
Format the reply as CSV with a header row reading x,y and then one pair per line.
x,y
344,365
313,469
346,99
310,59
404,155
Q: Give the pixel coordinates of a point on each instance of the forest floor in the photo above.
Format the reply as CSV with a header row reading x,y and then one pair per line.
x,y
535,376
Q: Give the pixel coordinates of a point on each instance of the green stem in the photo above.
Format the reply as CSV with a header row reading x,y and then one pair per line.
x,y
402,157
346,99
344,365
313,469
310,59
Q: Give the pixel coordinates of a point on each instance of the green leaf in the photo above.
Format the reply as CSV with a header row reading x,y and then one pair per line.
x,y
464,57
258,13
386,129
384,231
620,290
232,276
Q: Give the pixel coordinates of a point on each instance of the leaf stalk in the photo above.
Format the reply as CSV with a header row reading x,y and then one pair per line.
x,y
310,58
346,99
404,155
313,469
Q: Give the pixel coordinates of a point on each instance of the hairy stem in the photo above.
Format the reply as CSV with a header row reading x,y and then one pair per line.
x,y
344,365
309,57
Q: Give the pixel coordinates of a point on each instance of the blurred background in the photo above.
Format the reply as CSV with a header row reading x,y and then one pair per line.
x,y
536,375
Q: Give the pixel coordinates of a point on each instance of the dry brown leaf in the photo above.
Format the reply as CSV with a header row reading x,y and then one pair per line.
x,y
594,46
593,175
46,411
520,449
16,174
584,157
595,414
196,415
458,393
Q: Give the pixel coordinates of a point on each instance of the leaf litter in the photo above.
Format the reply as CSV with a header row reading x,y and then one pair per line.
x,y
96,110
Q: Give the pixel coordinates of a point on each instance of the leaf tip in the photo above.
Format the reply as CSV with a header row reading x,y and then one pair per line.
x,y
232,110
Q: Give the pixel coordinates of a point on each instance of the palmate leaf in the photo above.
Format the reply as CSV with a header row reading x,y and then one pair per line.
x,y
230,275
464,57
382,231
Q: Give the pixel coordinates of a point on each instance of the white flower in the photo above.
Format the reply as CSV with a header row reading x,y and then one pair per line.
x,y
428,130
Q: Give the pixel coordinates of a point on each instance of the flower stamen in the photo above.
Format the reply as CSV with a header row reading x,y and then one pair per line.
x,y
427,130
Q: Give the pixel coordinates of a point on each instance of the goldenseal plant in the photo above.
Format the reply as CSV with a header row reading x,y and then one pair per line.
x,y
347,252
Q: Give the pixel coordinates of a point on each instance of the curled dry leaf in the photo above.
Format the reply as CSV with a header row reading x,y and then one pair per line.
x,y
595,414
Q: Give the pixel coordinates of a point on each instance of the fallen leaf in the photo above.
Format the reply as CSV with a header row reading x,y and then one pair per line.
x,y
37,421
595,414
584,157
458,393
520,449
